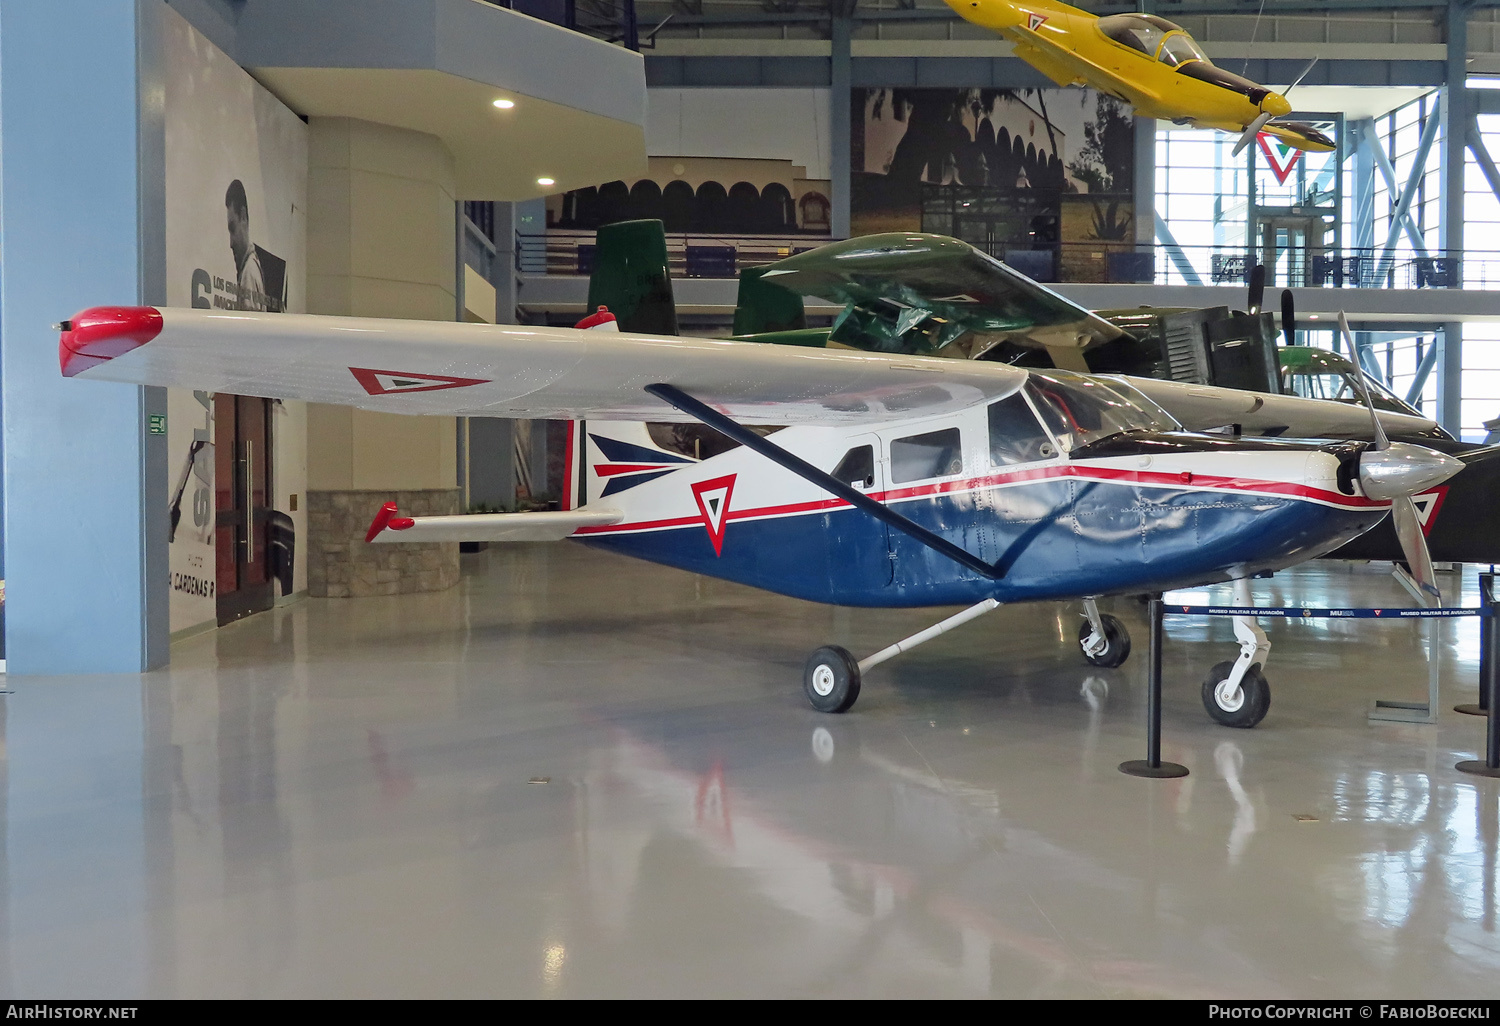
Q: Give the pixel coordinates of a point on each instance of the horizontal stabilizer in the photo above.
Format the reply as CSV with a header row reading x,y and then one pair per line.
x,y
549,525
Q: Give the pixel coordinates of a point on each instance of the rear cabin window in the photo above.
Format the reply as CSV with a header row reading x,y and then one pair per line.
x,y
1015,434
935,454
857,468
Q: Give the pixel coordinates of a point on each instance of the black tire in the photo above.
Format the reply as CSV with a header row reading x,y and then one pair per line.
x,y
831,679
1255,699
1117,649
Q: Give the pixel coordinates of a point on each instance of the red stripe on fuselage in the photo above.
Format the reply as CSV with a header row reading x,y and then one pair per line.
x,y
1200,482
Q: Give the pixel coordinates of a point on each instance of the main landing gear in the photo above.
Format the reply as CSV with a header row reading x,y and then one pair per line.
x,y
831,676
1236,694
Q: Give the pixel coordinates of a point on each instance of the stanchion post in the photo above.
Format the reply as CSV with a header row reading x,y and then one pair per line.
x,y
1486,649
1489,683
1152,766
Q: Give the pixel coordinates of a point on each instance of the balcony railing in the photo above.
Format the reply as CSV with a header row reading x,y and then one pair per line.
x,y
691,255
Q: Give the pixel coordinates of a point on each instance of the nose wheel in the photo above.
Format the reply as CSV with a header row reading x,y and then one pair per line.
x,y
1108,649
1236,705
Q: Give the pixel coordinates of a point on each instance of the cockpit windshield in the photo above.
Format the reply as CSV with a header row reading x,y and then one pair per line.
x,y
1179,48
1079,409
1143,32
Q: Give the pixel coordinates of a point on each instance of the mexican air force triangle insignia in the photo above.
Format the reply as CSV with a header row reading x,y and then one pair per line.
x,y
713,505
1035,22
385,382
1428,504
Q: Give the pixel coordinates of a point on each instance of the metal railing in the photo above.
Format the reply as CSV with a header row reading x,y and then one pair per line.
x,y
695,255
689,254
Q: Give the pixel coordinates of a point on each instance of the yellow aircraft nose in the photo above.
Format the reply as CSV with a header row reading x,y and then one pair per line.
x,y
1275,105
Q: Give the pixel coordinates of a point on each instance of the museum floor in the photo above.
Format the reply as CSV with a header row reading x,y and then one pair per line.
x,y
576,775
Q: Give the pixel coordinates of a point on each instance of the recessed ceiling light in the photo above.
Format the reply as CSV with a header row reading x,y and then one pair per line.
x,y
1312,317
546,181
505,104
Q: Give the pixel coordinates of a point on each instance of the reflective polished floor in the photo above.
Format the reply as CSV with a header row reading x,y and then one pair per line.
x,y
576,775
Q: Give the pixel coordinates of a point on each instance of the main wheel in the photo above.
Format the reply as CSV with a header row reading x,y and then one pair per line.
x,y
1244,708
1117,642
831,679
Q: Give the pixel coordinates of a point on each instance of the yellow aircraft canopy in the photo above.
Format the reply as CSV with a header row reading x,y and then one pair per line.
x,y
1154,37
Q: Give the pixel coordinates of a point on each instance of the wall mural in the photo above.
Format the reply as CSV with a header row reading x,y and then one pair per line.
x,y
704,195
236,192
1041,178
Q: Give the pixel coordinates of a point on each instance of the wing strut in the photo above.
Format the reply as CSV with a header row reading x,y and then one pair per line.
x,y
776,454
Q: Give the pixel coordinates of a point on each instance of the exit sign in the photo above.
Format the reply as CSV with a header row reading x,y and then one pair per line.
x,y
156,424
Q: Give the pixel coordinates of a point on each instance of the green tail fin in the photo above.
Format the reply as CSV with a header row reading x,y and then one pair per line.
x,y
631,277
763,306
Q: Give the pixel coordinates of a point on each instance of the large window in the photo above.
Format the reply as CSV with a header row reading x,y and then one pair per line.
x,y
934,454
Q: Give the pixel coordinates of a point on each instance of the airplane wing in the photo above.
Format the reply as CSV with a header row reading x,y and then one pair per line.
x,y
906,291
1206,407
488,370
543,525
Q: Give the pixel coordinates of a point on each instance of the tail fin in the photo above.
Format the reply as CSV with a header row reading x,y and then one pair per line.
x,y
763,306
631,277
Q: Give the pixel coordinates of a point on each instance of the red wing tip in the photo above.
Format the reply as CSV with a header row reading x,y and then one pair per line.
x,y
401,523
101,333
383,519
599,320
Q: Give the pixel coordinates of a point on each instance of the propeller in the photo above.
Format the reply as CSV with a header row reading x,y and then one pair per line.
x,y
1397,471
1250,133
1288,317
1257,289
1298,80
1253,129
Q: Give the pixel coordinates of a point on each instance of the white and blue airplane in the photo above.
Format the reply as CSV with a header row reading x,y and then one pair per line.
x,y
835,476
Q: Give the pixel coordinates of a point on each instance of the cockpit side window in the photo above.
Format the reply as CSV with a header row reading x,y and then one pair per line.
x,y
1134,31
1015,434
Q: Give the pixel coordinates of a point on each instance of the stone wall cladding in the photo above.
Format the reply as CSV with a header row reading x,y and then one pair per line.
x,y
340,564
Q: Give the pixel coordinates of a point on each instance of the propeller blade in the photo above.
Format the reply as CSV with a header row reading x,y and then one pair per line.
x,y
1414,546
1250,133
1300,77
1257,289
1288,317
1381,441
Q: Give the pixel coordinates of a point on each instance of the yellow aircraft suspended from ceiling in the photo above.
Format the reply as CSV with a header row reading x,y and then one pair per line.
x,y
1146,61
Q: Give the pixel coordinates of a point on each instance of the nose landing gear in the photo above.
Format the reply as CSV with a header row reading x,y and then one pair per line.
x,y
1103,638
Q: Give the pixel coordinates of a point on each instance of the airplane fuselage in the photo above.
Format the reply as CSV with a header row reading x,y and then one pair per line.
x,y
1145,512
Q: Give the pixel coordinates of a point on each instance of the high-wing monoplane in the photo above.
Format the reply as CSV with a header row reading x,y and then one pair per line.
x,y
1213,370
1146,61
861,479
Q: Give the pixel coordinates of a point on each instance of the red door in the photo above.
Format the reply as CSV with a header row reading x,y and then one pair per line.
x,y
242,471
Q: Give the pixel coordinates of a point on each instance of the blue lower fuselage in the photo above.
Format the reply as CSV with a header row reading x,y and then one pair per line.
x,y
1056,538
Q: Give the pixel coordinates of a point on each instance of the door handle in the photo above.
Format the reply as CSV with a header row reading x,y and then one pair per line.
x,y
249,501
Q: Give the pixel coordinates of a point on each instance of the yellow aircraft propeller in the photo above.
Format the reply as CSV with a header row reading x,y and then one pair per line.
x,y
1255,127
